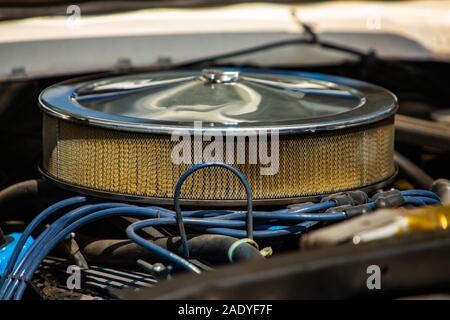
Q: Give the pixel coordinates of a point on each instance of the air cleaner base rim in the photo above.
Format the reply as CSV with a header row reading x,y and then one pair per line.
x,y
212,203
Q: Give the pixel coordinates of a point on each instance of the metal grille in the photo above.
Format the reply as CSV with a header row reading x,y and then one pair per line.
x,y
97,282
140,164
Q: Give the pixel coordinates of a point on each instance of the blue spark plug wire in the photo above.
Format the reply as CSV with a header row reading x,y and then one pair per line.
x,y
176,199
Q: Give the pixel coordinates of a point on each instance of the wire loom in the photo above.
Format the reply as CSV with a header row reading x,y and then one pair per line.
x,y
284,222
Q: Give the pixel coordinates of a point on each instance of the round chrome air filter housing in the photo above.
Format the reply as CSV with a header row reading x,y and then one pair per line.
x,y
118,136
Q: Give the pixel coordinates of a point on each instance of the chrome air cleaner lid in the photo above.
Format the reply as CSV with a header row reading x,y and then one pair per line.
x,y
222,100
116,137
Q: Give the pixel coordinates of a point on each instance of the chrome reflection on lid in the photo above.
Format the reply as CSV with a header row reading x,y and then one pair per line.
x,y
220,76
222,99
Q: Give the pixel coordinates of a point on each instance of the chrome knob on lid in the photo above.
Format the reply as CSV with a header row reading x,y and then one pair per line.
x,y
220,76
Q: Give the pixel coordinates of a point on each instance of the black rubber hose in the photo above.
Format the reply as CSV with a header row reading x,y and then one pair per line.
x,y
27,197
21,189
2,238
422,132
418,177
211,248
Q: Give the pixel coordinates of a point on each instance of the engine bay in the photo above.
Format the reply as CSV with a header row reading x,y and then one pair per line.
x,y
212,180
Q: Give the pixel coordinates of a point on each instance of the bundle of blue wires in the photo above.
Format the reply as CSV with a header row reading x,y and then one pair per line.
x,y
271,224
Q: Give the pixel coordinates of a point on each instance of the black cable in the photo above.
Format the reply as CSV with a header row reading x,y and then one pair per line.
x,y
313,39
242,52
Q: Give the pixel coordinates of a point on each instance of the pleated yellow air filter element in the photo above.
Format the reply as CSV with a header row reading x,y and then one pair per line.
x,y
113,137
140,165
